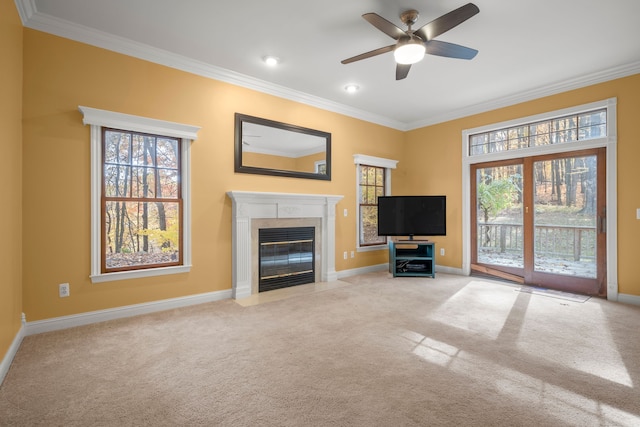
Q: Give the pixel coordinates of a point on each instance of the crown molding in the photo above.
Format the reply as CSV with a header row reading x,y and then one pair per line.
x,y
26,9
31,18
540,92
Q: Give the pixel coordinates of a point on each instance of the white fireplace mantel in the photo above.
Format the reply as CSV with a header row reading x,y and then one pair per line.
x,y
248,206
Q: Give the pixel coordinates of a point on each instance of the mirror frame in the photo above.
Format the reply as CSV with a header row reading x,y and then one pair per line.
x,y
239,167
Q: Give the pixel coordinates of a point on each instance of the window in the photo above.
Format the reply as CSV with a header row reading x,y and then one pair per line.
x,y
141,202
371,187
140,195
564,129
320,167
373,180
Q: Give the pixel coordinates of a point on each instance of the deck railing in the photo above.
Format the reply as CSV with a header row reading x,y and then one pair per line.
x,y
567,242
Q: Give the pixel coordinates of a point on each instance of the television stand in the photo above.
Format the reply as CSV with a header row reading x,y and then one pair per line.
x,y
412,258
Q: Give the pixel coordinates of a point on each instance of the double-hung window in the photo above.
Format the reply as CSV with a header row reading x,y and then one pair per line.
x,y
141,203
372,186
140,195
373,180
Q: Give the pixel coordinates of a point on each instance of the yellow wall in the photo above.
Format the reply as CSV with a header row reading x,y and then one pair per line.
x,y
10,174
444,142
60,74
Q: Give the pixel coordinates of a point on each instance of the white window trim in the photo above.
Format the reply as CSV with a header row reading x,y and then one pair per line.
x,y
387,164
609,142
187,133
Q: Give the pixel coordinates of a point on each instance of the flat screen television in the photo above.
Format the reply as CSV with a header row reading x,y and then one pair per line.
x,y
412,216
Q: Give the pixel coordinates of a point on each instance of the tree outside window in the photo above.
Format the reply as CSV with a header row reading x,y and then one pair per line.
x,y
141,201
371,186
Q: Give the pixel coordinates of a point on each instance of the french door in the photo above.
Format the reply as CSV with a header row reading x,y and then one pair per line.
x,y
541,220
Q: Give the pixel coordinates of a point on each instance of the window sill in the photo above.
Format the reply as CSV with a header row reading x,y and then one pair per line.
x,y
137,274
382,247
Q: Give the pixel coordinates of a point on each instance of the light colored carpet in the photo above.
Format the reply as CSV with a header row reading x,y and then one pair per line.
x,y
377,352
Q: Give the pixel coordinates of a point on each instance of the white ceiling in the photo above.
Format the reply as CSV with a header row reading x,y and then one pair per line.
x,y
527,48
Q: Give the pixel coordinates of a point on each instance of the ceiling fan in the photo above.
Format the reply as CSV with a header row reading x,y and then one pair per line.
x,y
411,45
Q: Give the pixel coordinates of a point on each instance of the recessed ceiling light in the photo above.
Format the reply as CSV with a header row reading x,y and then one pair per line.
x,y
271,61
352,88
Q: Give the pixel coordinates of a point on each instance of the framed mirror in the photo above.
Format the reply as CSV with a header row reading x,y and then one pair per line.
x,y
268,147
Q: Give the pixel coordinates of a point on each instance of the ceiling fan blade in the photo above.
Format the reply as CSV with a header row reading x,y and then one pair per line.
x,y
369,54
450,50
402,70
385,26
446,22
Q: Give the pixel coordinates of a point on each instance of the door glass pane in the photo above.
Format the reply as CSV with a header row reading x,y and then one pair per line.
x,y
565,214
499,216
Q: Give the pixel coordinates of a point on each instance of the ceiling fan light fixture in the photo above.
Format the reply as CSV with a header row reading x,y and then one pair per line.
x,y
409,52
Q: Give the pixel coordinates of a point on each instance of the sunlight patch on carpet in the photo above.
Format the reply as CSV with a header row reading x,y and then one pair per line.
x,y
431,350
480,307
594,352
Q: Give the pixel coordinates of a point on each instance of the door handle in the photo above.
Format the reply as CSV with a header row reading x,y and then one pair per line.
x,y
602,224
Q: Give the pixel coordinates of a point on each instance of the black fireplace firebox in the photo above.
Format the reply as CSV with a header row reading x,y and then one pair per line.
x,y
286,257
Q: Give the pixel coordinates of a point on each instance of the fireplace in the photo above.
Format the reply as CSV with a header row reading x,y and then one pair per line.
x,y
252,211
286,257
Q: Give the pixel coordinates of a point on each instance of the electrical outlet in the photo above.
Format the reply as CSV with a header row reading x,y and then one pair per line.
x,y
345,254
63,290
442,251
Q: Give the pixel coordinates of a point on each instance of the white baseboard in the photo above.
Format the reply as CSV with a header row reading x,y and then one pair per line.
x,y
11,353
629,299
362,270
64,322
449,270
